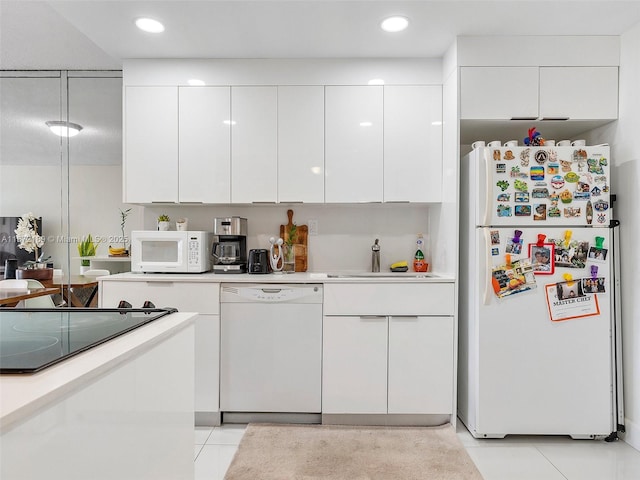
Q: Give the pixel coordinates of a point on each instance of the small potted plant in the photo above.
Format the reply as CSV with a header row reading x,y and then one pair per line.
x,y
121,251
163,222
86,248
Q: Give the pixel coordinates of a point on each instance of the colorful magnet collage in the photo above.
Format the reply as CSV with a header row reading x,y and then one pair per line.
x,y
538,184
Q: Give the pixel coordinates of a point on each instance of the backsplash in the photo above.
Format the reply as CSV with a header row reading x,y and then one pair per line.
x,y
345,232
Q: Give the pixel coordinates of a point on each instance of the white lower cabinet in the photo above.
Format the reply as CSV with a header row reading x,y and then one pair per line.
x,y
420,365
203,298
388,364
354,364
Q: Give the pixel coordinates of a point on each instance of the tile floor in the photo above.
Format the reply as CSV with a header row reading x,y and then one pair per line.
x,y
511,458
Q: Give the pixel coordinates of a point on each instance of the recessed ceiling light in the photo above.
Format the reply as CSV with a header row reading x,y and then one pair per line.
x,y
376,81
366,124
194,82
149,25
64,129
394,24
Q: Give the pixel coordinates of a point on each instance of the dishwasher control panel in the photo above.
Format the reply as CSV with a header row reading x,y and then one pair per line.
x,y
270,293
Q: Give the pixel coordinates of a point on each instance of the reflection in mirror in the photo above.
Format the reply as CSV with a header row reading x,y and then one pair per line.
x,y
30,155
74,184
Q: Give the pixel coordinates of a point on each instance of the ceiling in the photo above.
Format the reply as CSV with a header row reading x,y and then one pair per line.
x,y
98,34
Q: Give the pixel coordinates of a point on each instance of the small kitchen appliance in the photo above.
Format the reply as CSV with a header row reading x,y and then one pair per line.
x,y
170,251
229,248
259,261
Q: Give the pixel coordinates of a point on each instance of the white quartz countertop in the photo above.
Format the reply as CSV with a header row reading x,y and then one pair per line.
x,y
299,277
23,395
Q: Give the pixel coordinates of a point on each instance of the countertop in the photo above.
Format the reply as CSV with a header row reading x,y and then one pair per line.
x,y
22,395
298,277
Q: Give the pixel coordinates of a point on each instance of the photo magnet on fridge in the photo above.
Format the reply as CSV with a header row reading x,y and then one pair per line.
x,y
573,255
542,258
593,285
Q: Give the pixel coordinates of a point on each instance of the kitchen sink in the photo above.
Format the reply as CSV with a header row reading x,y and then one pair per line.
x,y
380,275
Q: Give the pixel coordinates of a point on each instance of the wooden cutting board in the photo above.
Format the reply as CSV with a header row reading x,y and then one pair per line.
x,y
300,242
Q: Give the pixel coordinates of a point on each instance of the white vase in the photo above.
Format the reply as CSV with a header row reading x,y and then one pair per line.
x,y
163,226
84,269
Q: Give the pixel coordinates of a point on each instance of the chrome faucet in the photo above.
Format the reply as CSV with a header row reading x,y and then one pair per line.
x,y
375,257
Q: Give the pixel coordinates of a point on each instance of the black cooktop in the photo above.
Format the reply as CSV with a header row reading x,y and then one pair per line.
x,y
32,339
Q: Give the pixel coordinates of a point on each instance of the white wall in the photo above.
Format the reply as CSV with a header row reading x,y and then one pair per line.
x,y
345,232
623,137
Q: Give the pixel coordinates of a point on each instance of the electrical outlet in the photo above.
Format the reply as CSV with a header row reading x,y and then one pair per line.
x,y
313,227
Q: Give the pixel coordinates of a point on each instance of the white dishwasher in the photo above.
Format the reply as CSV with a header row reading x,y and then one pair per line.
x,y
270,351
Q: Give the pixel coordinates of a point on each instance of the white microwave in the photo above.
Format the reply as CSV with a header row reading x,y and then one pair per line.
x,y
170,252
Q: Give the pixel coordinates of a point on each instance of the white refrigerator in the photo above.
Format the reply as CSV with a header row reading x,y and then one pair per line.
x,y
537,349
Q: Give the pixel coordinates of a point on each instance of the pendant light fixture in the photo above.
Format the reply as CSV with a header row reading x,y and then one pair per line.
x,y
64,129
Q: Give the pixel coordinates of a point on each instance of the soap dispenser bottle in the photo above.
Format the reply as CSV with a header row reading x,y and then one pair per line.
x,y
375,257
419,265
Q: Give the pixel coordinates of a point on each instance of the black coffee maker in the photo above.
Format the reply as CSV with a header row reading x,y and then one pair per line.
x,y
229,250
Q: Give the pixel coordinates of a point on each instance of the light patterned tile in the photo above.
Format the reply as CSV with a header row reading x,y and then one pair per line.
x,y
509,462
226,435
202,434
594,460
213,461
196,451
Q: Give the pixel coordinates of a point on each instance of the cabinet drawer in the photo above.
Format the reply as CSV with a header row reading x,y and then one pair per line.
x,y
389,299
185,296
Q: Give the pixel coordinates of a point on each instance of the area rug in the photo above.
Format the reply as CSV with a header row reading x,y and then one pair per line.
x,y
328,452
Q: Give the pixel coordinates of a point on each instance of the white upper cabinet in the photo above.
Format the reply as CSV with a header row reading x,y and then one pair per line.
x,y
579,93
498,93
530,93
412,143
301,144
150,145
254,144
204,144
353,144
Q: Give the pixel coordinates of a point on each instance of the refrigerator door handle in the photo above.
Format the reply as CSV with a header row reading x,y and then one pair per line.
x,y
488,288
488,176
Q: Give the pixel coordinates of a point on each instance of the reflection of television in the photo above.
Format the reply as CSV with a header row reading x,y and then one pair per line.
x,y
8,243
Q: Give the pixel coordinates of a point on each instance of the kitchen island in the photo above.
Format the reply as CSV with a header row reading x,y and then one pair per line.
x,y
123,409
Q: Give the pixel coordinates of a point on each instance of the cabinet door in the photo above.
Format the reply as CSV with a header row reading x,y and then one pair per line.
x,y
579,93
254,144
498,93
413,143
421,365
354,365
301,144
205,144
200,297
150,145
353,144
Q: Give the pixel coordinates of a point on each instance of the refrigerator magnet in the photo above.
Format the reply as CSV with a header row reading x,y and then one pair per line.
x,y
541,256
495,237
514,246
504,210
594,285
540,211
523,210
573,255
598,254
